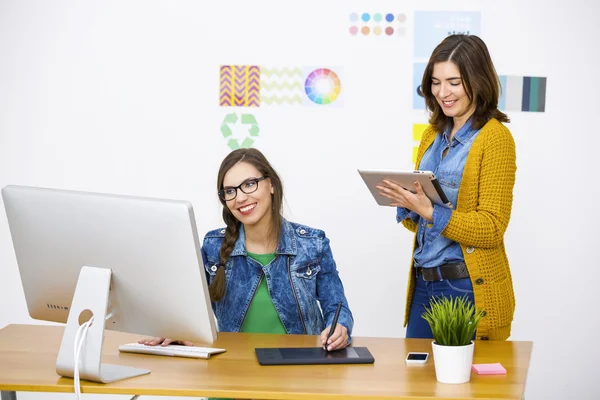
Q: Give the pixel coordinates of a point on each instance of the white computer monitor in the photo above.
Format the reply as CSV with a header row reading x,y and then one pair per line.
x,y
141,263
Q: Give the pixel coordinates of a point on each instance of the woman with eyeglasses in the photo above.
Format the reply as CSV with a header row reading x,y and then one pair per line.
x,y
267,274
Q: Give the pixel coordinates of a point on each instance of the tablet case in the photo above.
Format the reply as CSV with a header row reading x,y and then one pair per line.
x,y
406,179
313,355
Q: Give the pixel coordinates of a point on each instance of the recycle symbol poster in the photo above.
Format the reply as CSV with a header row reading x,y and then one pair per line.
x,y
239,131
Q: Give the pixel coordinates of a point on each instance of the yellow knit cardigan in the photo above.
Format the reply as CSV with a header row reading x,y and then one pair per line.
x,y
478,225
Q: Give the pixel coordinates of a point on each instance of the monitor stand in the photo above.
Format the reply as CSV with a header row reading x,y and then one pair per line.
x,y
91,295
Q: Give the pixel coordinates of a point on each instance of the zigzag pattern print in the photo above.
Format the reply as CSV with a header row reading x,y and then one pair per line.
x,y
281,86
239,86
266,85
281,72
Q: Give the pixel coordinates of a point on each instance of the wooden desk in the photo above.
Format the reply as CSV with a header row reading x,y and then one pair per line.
x,y
28,356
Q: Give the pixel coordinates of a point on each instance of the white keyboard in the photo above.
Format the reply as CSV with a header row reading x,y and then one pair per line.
x,y
171,350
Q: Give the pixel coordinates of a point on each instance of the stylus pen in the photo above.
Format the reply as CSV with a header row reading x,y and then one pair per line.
x,y
334,323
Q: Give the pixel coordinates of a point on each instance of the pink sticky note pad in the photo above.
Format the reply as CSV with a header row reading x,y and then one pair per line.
x,y
489,369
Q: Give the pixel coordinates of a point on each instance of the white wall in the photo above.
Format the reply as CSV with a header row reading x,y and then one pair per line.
x,y
122,97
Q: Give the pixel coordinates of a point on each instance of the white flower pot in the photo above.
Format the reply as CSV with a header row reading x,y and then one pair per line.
x,y
453,363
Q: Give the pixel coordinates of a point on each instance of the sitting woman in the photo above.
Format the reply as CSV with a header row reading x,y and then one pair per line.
x,y
266,274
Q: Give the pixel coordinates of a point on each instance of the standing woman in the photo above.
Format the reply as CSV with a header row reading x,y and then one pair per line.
x,y
461,251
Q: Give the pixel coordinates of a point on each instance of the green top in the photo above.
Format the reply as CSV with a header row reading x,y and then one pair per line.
x,y
261,316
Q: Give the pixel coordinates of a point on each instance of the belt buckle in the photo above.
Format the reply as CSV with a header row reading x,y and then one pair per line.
x,y
424,274
436,274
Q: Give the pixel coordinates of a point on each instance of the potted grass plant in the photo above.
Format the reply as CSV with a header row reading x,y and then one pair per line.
x,y
453,322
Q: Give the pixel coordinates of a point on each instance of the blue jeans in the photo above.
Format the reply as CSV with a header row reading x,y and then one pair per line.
x,y
424,291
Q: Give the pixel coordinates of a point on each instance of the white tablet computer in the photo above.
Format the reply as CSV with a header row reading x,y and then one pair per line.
x,y
406,179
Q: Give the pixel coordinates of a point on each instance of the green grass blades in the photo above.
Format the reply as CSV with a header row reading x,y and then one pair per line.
x,y
453,321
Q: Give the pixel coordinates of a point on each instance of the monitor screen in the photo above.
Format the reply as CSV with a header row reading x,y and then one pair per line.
x,y
158,285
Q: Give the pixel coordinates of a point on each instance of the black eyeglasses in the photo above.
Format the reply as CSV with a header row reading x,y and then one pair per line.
x,y
248,186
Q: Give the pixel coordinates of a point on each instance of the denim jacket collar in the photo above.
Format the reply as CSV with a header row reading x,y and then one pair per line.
x,y
464,133
287,242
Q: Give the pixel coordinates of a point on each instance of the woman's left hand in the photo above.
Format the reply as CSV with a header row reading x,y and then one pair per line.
x,y
338,340
400,197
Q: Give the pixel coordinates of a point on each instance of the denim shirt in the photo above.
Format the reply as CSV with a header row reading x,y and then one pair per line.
x,y
433,249
302,276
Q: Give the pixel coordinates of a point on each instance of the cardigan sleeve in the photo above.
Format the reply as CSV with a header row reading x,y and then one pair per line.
x,y
484,224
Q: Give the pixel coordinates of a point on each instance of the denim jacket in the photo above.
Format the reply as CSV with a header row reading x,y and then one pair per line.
x,y
302,275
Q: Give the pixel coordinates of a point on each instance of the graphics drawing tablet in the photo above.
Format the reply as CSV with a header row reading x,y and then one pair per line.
x,y
313,355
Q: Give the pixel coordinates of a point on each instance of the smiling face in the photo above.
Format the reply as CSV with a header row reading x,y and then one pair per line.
x,y
249,208
449,91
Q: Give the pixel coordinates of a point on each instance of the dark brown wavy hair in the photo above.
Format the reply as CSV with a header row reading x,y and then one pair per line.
x,y
260,162
472,58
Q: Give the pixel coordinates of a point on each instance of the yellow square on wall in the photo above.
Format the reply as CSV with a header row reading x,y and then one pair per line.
x,y
418,130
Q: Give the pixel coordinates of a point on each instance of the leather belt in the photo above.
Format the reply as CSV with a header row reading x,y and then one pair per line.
x,y
446,271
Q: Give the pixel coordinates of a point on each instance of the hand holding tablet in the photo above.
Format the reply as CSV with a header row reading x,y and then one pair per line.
x,y
405,179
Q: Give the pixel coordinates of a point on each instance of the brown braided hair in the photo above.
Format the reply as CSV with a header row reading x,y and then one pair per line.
x,y
255,158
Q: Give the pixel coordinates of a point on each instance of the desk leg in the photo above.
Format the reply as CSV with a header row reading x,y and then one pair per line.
x,y
9,395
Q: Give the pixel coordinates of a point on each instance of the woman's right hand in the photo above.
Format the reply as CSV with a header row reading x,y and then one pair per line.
x,y
400,197
163,342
